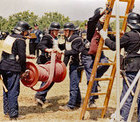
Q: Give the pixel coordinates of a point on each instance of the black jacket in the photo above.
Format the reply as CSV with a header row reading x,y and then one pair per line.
x,y
94,23
76,47
46,42
130,41
16,61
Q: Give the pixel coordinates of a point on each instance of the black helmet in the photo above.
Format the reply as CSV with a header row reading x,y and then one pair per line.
x,y
133,21
69,26
22,26
98,10
54,26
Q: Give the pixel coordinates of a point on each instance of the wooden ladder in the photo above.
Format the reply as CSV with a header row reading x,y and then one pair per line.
x,y
130,4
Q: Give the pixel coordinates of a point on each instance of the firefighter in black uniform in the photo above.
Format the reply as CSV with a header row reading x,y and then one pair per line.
x,y
94,24
73,46
130,41
13,63
48,43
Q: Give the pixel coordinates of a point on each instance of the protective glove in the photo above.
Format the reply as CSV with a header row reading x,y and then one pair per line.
x,y
102,19
48,50
103,34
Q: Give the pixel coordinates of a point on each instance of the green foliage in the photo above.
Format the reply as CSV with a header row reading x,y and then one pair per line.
x,y
31,18
21,16
80,24
44,21
50,17
3,24
113,25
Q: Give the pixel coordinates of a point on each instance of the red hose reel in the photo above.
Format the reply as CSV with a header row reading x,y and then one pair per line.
x,y
52,71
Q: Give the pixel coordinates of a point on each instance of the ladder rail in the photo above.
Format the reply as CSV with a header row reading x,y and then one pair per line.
x,y
109,91
126,13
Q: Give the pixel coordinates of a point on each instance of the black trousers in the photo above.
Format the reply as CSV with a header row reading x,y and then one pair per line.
x,y
33,49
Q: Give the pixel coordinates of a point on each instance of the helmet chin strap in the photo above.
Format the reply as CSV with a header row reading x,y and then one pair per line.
x,y
134,27
129,26
53,35
69,33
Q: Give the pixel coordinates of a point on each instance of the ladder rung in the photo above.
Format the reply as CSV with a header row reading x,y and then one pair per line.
x,y
106,48
102,79
107,63
114,16
93,108
110,60
112,32
99,93
124,0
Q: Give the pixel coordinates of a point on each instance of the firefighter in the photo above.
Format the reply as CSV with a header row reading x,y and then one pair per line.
x,y
94,24
34,42
73,46
130,41
84,32
12,64
48,43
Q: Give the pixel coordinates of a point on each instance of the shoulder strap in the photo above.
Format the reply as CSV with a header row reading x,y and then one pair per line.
x,y
69,44
76,38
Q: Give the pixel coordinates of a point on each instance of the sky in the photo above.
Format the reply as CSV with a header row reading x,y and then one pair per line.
x,y
74,9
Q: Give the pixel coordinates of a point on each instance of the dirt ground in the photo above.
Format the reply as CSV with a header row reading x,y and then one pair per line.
x,y
59,95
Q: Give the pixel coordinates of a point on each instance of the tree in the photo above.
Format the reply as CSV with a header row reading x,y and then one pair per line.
x,y
3,24
113,25
50,17
21,16
80,24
